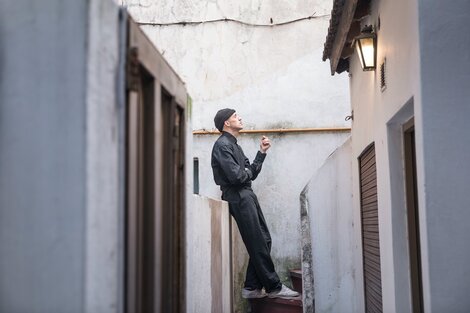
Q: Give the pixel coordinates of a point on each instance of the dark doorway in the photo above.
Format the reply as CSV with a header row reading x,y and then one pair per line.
x,y
173,202
155,181
413,216
140,212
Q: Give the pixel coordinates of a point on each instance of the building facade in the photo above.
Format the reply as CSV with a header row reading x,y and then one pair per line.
x,y
409,146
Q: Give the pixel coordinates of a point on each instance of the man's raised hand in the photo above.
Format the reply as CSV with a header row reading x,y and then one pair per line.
x,y
265,144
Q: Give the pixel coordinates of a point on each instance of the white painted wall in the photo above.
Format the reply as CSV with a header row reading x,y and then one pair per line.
x,y
398,43
332,232
285,172
278,199
273,76
427,68
445,136
103,262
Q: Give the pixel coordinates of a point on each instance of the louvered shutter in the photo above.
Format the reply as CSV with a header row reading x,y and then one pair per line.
x,y
370,231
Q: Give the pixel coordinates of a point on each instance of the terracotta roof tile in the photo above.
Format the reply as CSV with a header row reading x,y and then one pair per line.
x,y
333,28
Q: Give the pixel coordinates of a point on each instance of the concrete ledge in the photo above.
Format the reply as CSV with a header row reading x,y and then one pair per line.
x,y
208,256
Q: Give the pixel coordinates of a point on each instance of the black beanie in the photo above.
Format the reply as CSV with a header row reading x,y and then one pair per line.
x,y
221,117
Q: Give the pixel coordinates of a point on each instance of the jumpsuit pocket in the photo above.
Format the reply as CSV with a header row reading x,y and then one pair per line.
x,y
231,195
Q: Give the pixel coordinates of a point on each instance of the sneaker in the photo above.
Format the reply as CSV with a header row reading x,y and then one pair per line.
x,y
284,293
253,294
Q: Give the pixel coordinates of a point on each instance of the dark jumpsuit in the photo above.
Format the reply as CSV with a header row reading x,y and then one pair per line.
x,y
234,173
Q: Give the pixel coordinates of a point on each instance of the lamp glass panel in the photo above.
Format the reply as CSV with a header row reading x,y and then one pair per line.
x,y
367,45
359,53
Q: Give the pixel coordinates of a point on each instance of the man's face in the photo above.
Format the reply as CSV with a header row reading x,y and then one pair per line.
x,y
234,122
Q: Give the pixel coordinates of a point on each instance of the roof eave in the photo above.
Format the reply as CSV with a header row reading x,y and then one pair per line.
x,y
344,27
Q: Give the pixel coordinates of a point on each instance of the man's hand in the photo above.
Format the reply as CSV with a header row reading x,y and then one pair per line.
x,y
265,144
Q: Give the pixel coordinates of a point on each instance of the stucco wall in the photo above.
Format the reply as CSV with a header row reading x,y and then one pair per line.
x,y
332,232
273,76
445,136
58,157
285,172
424,82
42,155
398,44
104,230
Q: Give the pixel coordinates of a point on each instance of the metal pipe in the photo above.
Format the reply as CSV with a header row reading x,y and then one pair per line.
x,y
121,116
279,130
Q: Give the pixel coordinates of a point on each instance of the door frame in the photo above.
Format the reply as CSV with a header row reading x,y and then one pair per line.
x,y
168,216
398,206
412,212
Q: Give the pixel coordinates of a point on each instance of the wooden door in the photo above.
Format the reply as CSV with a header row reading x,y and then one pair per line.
x,y
154,219
140,213
370,231
173,204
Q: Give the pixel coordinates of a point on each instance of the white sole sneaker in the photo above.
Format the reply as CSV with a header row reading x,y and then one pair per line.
x,y
253,294
284,293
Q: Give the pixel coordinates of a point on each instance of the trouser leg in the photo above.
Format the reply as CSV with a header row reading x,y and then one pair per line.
x,y
252,281
255,235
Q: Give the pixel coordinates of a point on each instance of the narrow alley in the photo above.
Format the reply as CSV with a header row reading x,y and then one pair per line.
x,y
234,156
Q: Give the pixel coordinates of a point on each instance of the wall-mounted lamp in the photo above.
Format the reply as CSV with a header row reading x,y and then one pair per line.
x,y
366,46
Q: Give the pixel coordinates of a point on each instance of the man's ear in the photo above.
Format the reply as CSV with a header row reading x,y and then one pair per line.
x,y
227,123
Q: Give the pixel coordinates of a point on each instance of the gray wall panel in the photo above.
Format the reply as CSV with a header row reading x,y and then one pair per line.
x,y
42,155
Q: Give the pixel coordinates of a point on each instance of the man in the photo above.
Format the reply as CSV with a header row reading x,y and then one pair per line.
x,y
234,173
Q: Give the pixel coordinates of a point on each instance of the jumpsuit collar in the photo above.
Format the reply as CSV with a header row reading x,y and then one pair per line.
x,y
229,136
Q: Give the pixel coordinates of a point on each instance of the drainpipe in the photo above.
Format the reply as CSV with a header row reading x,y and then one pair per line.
x,y
121,111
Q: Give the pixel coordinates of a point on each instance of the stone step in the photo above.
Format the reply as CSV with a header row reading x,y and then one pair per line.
x,y
296,278
276,305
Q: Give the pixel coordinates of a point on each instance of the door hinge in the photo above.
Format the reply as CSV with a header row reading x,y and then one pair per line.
x,y
133,69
